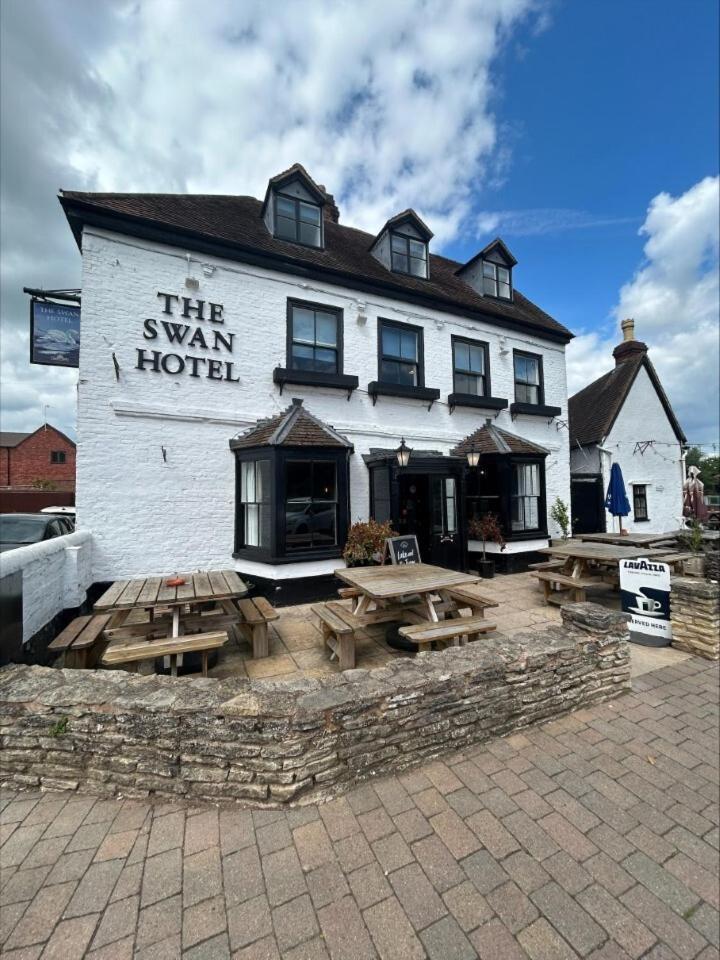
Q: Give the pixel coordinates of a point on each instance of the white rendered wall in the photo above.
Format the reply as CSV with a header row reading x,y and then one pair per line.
x,y
643,418
55,576
155,513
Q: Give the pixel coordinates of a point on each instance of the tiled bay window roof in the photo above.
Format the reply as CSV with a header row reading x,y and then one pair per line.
x,y
294,427
491,439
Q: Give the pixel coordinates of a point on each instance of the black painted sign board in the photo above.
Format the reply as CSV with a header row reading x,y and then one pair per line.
x,y
402,550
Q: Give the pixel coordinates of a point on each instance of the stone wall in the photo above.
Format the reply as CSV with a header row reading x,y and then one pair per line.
x,y
695,616
273,742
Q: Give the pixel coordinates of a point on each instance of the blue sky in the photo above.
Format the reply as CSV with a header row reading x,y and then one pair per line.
x,y
584,132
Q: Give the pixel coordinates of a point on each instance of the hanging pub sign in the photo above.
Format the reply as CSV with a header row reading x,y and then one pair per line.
x,y
402,550
645,595
54,334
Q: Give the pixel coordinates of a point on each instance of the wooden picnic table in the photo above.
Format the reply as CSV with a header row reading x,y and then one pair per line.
x,y
628,540
222,587
388,585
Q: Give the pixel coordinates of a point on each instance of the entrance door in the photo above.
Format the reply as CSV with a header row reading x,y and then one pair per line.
x,y
446,546
586,504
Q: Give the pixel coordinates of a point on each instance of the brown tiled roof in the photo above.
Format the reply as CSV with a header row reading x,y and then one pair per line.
x,y
594,409
235,224
10,439
294,427
491,439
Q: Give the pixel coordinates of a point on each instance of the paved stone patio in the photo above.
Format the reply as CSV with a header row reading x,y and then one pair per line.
x,y
594,836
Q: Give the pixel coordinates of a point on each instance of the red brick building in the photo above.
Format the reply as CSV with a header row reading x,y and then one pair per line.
x,y
45,456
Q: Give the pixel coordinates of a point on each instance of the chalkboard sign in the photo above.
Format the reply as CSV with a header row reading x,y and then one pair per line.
x,y
402,550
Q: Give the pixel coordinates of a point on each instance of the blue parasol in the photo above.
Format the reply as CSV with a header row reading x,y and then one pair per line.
x,y
616,501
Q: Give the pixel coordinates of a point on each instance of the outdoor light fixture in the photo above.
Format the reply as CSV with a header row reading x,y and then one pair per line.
x,y
473,456
403,453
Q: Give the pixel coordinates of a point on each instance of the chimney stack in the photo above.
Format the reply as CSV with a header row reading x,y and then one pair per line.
x,y
630,348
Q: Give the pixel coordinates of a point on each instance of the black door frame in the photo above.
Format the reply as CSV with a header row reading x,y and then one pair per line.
x,y
440,465
597,479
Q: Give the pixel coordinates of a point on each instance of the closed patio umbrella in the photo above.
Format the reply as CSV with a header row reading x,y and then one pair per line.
x,y
616,501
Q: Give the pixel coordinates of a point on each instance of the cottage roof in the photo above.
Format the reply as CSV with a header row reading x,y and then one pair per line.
x,y
233,227
491,439
594,409
10,439
294,427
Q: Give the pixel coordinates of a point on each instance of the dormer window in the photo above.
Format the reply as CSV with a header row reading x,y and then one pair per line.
x,y
408,255
496,281
297,220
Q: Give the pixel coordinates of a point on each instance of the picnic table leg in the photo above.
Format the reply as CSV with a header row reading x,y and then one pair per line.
x,y
204,663
260,641
432,614
173,665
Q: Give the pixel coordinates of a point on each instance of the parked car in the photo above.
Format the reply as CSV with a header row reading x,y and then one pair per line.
x,y
66,513
20,529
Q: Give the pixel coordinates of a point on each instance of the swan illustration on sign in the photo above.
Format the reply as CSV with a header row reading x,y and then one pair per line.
x,y
54,334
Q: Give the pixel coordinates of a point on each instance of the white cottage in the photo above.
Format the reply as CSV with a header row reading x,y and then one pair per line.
x,y
249,368
625,417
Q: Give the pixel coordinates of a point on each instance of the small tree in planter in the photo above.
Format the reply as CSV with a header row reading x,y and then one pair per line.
x,y
366,543
693,541
559,513
487,528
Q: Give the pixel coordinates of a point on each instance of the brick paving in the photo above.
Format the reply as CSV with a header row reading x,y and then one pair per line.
x,y
594,836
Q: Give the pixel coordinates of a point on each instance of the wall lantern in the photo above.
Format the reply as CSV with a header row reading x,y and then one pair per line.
x,y
403,453
473,456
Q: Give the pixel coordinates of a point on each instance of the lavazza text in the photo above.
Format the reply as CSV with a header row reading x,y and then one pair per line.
x,y
205,336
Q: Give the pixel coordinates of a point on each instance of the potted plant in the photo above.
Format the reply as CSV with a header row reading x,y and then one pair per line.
x,y
486,528
559,513
693,540
366,543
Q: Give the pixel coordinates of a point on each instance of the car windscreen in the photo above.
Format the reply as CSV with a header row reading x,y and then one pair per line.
x,y
22,529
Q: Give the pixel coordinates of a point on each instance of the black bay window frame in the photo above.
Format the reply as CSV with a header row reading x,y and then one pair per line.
x,y
315,378
279,457
504,464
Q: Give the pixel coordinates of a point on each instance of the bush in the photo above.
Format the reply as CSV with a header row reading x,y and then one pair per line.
x,y
559,513
487,528
366,542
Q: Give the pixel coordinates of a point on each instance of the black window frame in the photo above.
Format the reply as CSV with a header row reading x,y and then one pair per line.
x,y
487,392
541,378
408,256
276,552
58,456
339,313
277,194
420,362
639,494
496,280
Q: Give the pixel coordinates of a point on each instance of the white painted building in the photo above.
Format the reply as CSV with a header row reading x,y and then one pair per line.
x,y
203,316
625,417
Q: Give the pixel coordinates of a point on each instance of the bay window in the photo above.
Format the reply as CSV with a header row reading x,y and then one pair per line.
x,y
255,503
525,499
310,504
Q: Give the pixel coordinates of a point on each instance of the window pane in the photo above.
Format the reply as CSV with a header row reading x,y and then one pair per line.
x,y
303,324
490,287
418,268
532,371
286,229
488,269
398,243
324,480
408,374
389,371
408,345
400,263
298,525
417,249
390,342
462,356
326,329
504,290
252,534
520,368
309,213
323,524
450,505
325,360
264,525
310,234
262,481
247,481
477,359
303,357
286,207
299,480
503,274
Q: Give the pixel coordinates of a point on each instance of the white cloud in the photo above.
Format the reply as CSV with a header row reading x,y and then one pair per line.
x,y
675,301
388,104
542,220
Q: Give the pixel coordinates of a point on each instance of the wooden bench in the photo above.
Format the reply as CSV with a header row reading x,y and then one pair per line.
x,y
453,633
255,616
134,651
81,640
466,598
338,627
574,586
